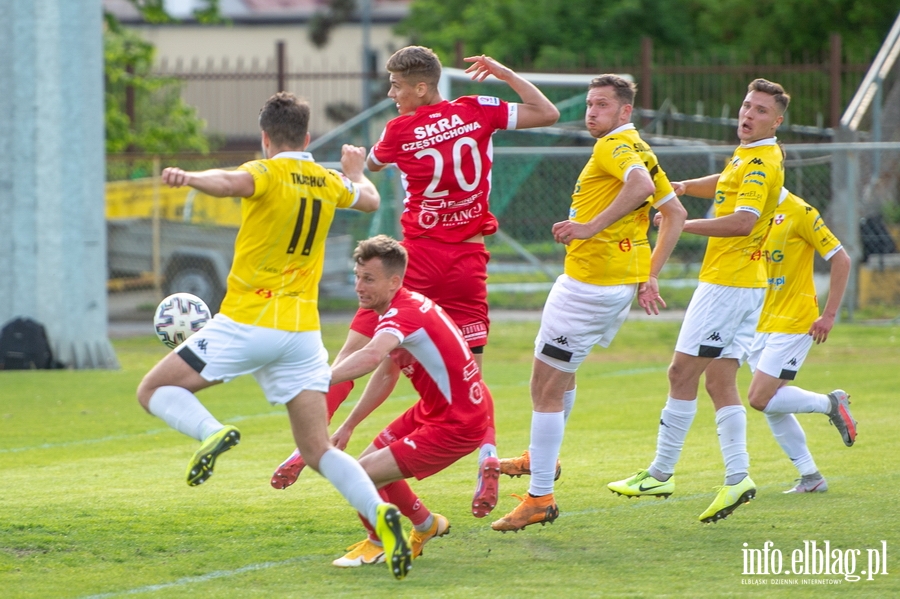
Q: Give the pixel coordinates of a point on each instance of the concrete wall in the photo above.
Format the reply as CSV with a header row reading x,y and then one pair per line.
x,y
52,228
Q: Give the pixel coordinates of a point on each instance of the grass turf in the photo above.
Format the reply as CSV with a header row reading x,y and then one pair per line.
x,y
93,501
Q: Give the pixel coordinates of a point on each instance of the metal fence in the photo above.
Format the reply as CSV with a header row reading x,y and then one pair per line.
x,y
172,240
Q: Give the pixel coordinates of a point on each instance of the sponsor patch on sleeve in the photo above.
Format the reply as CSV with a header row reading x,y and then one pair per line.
x,y
488,101
350,185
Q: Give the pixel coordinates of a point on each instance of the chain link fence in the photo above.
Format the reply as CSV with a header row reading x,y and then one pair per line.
x,y
170,240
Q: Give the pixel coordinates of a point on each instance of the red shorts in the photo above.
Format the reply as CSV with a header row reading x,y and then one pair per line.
x,y
424,447
454,275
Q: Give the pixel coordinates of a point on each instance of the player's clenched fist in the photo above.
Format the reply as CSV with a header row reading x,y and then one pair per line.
x,y
175,177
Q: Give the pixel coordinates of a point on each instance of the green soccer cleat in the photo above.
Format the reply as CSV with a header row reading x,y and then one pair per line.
x,y
396,548
730,497
201,465
642,484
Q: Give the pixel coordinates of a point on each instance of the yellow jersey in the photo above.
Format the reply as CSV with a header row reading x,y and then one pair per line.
x,y
280,247
751,181
798,231
619,254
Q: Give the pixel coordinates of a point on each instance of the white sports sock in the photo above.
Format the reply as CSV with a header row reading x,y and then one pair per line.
x,y
568,402
180,409
485,451
351,481
674,424
547,430
731,424
425,526
792,439
794,400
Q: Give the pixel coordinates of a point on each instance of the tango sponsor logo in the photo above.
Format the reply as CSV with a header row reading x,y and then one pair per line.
x,y
828,565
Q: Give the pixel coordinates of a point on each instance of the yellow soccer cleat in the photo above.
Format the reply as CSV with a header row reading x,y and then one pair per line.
x,y
361,554
201,465
417,540
642,484
730,497
396,548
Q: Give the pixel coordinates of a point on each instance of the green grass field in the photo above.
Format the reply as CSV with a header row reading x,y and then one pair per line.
x,y
93,501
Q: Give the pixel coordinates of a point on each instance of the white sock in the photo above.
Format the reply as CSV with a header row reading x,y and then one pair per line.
x,y
547,430
485,451
674,424
425,526
794,400
351,481
568,402
731,424
792,439
180,409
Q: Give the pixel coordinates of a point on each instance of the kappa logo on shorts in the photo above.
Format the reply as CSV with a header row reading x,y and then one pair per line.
x,y
410,442
714,337
201,345
562,340
792,362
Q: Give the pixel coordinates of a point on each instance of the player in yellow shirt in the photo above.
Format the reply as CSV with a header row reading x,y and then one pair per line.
x,y
608,262
268,325
789,324
721,318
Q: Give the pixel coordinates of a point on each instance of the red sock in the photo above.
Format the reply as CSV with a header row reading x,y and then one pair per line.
x,y
336,396
400,494
369,528
490,437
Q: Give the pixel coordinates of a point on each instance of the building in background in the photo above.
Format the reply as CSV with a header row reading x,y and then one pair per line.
x,y
230,69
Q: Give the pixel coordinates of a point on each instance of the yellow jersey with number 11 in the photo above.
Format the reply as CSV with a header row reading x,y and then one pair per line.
x,y
280,248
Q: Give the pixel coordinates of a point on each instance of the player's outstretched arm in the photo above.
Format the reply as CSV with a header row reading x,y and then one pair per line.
x,y
535,109
215,182
353,161
704,187
737,224
670,226
378,389
840,274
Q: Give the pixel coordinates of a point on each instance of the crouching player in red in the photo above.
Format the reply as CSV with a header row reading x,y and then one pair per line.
x,y
455,410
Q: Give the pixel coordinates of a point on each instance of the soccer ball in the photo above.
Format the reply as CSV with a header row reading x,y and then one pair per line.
x,y
178,317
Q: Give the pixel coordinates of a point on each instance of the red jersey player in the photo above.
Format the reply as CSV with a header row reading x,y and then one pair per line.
x,y
448,422
444,152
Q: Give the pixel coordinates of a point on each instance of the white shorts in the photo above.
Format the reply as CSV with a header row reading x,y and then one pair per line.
x,y
284,363
720,322
779,354
576,317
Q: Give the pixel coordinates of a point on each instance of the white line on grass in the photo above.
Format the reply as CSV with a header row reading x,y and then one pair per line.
x,y
188,580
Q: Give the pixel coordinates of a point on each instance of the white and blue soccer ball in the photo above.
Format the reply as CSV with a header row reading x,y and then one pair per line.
x,y
178,317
